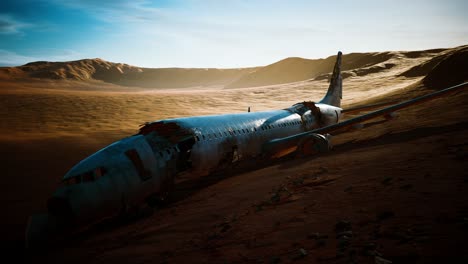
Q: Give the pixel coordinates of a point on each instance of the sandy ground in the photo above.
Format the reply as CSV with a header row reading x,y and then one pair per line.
x,y
393,190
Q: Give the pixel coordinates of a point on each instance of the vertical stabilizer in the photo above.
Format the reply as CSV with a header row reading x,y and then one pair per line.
x,y
335,91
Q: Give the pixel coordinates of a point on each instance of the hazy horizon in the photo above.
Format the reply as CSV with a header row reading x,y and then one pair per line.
x,y
211,34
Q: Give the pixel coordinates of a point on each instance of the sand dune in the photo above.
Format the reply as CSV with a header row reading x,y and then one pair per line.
x,y
284,71
122,74
451,70
380,179
298,69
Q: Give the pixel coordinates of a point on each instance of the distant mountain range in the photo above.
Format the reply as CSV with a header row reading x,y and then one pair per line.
x,y
453,63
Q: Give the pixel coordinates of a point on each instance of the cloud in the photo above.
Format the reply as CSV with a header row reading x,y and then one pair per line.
x,y
8,25
116,10
11,58
8,58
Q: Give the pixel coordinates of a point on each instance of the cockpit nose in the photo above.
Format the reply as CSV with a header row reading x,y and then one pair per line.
x,y
59,207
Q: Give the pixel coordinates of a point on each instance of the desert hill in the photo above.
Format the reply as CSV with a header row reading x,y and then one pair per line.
x,y
451,70
284,71
299,69
123,74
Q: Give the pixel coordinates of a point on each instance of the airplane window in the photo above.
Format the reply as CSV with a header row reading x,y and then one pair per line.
x,y
255,129
198,139
168,152
203,137
77,179
99,172
88,176
133,156
220,134
67,181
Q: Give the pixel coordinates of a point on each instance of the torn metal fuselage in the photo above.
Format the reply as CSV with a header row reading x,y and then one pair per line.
x,y
140,168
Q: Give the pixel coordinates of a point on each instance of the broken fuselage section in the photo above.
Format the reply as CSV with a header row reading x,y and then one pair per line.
x,y
141,168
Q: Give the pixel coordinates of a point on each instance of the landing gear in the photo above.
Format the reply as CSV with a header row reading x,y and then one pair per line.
x,y
163,197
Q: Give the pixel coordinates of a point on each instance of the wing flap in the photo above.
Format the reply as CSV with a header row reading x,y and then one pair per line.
x,y
277,147
390,109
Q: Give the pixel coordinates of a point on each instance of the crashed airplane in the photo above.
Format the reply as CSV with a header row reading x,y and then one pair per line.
x,y
141,168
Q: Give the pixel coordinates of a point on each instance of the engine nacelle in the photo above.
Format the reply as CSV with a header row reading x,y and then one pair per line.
x,y
314,143
391,115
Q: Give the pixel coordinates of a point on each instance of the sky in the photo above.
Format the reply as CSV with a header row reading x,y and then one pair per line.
x,y
222,34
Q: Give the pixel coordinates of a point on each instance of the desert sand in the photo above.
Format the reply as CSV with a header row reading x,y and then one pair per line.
x,y
394,190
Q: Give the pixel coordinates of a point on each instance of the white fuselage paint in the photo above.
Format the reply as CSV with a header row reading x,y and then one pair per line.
x,y
237,136
248,132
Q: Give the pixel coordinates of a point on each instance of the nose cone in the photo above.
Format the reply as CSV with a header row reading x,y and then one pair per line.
x,y
59,207
104,182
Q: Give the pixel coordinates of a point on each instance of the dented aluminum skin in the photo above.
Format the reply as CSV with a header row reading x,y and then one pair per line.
x,y
141,168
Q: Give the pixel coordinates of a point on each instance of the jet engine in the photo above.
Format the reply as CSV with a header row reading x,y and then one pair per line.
x,y
313,144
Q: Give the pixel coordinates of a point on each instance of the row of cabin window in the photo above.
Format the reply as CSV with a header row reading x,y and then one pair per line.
x,y
89,176
246,130
168,150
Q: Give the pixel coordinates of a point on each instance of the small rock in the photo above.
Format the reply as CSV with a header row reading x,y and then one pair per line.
x,y
406,186
387,181
380,260
303,252
225,227
343,243
342,226
320,243
370,246
275,197
347,233
275,260
317,236
385,215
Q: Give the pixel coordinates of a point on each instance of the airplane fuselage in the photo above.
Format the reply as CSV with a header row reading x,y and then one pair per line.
x,y
141,168
127,172
222,139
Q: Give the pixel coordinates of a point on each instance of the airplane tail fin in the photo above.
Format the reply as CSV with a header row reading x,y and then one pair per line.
x,y
335,91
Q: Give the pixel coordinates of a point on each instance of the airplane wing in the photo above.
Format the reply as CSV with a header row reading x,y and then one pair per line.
x,y
358,109
314,139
